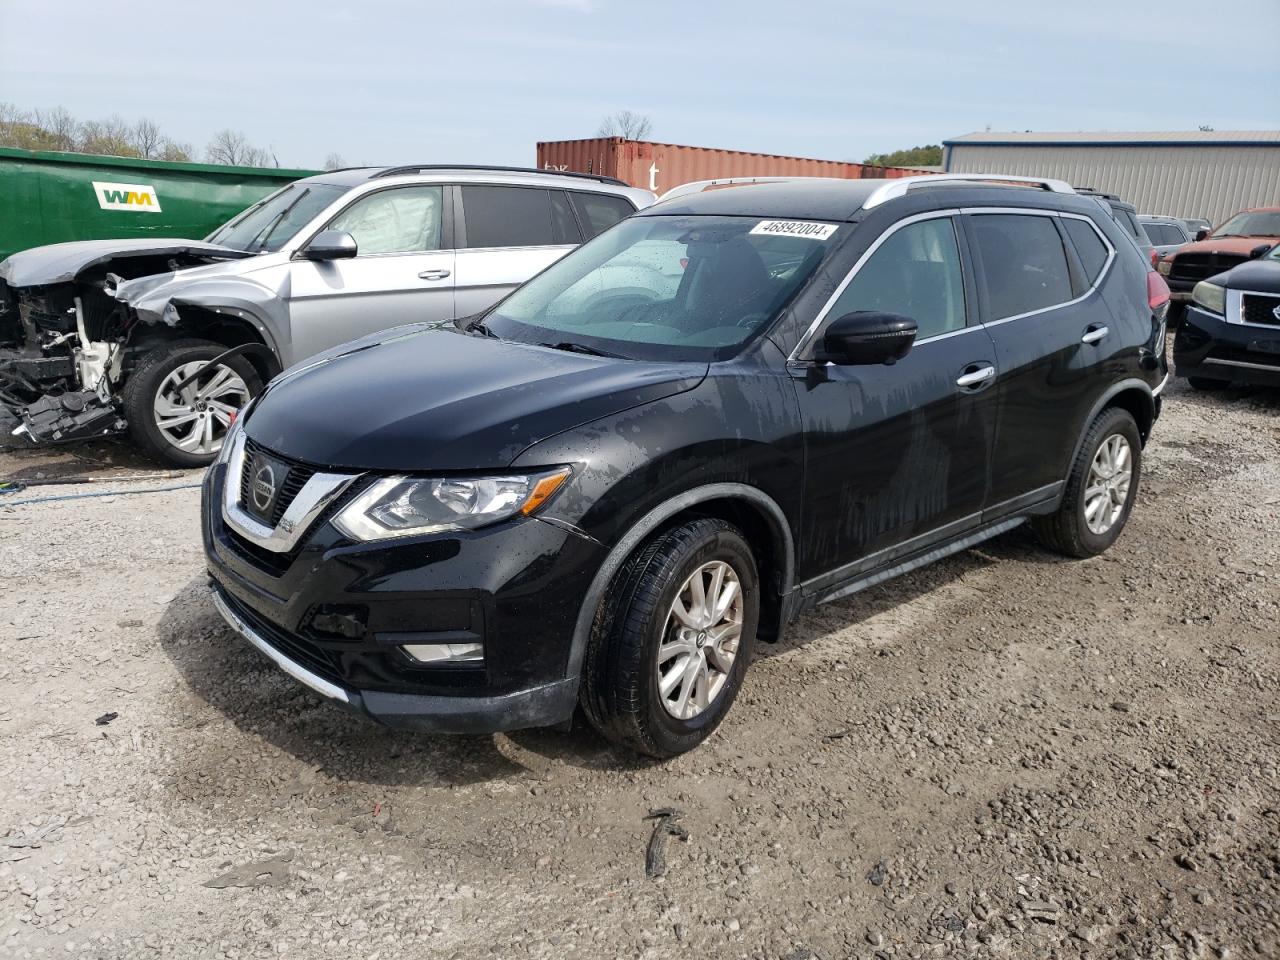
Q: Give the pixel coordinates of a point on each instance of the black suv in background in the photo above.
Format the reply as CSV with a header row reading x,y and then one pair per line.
x,y
1232,328
728,408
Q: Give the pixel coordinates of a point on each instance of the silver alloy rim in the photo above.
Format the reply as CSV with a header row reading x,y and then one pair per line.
x,y
700,640
1107,491
196,418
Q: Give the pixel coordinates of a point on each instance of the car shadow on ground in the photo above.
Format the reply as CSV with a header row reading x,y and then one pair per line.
x,y
223,671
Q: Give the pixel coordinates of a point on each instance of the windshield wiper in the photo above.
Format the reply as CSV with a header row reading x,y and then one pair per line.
x,y
477,326
265,232
572,347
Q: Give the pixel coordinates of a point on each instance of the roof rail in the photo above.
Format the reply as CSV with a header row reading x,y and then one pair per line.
x,y
697,186
898,188
422,167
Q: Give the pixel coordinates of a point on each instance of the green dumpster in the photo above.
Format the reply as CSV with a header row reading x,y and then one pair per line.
x,y
52,197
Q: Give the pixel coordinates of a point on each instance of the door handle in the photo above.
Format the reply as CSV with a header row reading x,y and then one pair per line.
x,y
1094,333
433,274
980,374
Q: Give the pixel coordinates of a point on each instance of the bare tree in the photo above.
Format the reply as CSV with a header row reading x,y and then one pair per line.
x,y
62,128
111,136
334,161
625,124
147,138
234,149
173,150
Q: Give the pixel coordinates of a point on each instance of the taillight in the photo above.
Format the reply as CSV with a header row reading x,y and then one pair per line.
x,y
1155,258
1157,294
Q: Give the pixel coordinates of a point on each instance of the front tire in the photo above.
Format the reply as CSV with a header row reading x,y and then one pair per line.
x,y
185,428
673,638
1100,489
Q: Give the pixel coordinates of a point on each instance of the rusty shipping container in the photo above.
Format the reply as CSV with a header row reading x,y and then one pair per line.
x,y
661,166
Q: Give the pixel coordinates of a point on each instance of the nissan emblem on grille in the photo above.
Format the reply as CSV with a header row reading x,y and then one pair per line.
x,y
1276,313
264,486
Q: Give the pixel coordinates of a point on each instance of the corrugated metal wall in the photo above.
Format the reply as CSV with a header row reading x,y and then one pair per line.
x,y
1210,182
661,166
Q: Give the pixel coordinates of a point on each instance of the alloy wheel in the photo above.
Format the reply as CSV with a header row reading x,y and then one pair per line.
x,y
700,640
1110,476
197,417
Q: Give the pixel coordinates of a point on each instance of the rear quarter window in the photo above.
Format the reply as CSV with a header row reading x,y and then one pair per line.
x,y
1089,247
1024,265
600,211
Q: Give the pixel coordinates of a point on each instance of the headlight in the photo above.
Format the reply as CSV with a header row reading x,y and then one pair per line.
x,y
1210,296
229,441
1165,267
406,506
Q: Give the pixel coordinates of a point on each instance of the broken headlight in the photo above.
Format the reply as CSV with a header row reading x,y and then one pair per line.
x,y
405,506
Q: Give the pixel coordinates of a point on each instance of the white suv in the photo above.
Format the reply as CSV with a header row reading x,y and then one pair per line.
x,y
119,333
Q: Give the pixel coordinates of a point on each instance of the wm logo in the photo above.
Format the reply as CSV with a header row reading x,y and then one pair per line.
x,y
137,197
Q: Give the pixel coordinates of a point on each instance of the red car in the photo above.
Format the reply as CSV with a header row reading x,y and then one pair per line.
x,y
1246,236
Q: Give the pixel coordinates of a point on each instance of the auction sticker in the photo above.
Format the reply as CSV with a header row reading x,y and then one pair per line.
x,y
795,228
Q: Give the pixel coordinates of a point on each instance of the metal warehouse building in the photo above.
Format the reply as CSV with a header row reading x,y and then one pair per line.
x,y
1209,174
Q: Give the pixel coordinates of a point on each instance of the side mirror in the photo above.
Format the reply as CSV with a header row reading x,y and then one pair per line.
x,y
1261,250
331,245
1202,234
867,337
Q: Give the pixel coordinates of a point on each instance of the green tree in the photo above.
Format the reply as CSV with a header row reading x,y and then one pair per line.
x,y
928,156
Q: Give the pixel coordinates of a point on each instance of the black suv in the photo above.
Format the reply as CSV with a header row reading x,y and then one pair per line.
x,y
728,408
1232,328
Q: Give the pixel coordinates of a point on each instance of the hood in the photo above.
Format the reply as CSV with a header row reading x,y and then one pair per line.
x,y
428,400
1262,276
1239,246
172,282
62,262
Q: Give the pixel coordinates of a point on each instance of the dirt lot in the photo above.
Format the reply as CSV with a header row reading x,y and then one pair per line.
x,y
1003,755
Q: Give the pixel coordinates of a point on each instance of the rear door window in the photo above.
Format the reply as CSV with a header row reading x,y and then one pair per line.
x,y
600,211
915,273
1024,265
1089,247
513,217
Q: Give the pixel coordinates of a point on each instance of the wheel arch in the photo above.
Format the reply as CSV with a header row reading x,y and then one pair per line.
x,y
1133,395
763,522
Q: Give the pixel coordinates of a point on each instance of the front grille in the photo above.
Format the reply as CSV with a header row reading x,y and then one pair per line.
x,y
294,480
298,649
1261,309
1202,266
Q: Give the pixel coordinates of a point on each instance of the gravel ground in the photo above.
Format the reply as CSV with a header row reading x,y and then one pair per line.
x,y
1004,755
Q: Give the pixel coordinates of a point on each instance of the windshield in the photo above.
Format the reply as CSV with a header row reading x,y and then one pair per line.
x,y
1251,225
667,288
272,222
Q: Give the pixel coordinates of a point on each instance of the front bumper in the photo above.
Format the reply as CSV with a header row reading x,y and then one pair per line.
x,y
515,587
1207,346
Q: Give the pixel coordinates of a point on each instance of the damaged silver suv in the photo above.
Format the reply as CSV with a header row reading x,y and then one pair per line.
x,y
167,339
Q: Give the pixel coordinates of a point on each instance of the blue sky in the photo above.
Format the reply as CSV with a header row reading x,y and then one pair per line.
x,y
382,81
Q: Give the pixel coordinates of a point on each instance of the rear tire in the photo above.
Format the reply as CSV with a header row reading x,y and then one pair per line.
x,y
1100,489
643,653
185,429
1207,384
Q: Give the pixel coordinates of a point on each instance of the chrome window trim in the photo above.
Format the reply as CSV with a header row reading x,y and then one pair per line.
x,y
312,500
811,334
1234,310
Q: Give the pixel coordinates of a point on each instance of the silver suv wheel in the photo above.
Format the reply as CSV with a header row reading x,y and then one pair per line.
x,y
196,418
